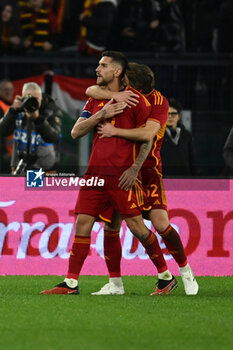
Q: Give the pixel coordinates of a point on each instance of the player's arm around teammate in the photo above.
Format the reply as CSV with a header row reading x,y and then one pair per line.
x,y
84,126
146,133
102,93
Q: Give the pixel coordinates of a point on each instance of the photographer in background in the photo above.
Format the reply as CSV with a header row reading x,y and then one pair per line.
x,y
35,120
177,151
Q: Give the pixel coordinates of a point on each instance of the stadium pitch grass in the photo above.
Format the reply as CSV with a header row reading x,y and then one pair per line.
x,y
134,321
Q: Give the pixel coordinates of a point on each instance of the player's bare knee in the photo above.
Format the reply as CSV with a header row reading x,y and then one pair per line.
x,y
83,225
137,227
159,219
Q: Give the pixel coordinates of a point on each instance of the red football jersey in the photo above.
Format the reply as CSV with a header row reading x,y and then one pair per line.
x,y
159,113
111,156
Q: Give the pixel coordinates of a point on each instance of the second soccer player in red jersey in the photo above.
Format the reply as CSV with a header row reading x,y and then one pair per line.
x,y
142,78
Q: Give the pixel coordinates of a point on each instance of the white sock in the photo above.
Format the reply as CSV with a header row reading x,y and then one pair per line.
x,y
184,269
116,280
166,275
71,282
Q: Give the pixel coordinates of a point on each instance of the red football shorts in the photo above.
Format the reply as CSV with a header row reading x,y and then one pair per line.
x,y
152,183
100,201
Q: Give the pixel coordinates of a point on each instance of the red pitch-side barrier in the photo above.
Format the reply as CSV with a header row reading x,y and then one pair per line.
x,y
37,228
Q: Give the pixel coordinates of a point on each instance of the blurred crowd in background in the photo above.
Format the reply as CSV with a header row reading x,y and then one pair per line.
x,y
169,29
90,26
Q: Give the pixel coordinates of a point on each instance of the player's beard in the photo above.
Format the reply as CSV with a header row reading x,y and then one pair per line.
x,y
103,82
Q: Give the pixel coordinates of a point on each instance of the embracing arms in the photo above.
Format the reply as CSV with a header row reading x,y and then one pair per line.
x,y
145,133
102,93
83,126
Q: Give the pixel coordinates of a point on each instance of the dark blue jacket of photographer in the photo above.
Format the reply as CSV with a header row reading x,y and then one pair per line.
x,y
34,140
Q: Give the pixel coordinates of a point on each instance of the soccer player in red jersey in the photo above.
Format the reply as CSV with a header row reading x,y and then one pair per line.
x,y
142,79
110,157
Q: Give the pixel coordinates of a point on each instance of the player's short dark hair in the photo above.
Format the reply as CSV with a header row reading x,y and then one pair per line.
x,y
118,57
174,104
140,77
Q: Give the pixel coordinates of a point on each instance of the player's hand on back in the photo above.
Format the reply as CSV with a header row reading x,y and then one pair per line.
x,y
128,96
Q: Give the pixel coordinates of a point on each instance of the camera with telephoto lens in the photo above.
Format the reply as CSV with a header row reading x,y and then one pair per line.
x,y
29,103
